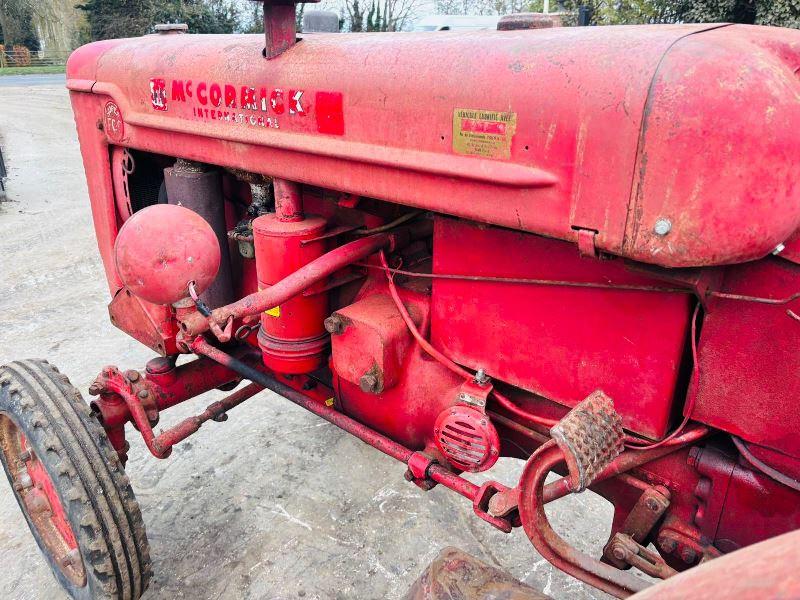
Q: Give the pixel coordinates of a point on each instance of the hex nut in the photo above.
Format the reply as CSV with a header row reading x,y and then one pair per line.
x,y
335,324
619,552
369,383
667,544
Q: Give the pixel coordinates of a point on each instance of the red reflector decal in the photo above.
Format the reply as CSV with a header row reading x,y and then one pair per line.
x,y
330,114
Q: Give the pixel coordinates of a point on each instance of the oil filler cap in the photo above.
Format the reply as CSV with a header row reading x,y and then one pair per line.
x,y
171,28
525,21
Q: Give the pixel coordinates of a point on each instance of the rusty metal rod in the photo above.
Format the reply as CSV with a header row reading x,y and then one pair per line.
x,y
550,545
560,488
588,284
195,323
452,481
288,200
528,281
178,433
365,434
161,446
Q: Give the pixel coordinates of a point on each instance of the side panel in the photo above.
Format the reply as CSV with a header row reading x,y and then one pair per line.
x,y
576,96
749,362
88,111
560,342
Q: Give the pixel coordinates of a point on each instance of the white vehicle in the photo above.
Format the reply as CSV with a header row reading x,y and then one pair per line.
x,y
456,23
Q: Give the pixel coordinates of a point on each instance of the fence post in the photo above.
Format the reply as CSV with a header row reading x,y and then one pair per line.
x,y
2,177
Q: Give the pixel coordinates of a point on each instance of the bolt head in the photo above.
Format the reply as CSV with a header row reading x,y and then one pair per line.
x,y
37,502
666,544
663,226
143,394
652,504
73,557
334,325
618,552
132,375
368,383
24,482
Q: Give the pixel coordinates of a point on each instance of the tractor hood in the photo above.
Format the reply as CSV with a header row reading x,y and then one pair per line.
x,y
673,145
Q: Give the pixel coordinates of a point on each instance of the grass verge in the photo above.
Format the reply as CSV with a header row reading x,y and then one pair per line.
x,y
32,70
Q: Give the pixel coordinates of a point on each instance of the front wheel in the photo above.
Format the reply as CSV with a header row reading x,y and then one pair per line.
x,y
70,485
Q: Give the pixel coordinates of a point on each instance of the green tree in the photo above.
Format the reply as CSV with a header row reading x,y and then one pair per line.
x,y
118,18
785,13
16,24
202,16
126,18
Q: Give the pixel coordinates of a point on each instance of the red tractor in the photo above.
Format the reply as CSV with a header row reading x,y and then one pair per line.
x,y
578,247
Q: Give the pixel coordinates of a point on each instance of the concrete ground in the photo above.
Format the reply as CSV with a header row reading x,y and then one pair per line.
x,y
274,503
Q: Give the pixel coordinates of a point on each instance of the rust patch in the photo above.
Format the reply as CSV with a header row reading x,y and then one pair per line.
x,y
455,575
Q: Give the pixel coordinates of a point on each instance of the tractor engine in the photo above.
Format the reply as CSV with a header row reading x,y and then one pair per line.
x,y
572,246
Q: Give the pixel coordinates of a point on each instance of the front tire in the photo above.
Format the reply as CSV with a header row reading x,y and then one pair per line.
x,y
70,485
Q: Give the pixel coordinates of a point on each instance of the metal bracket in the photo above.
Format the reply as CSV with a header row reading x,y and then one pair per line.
x,y
132,384
474,394
640,522
504,502
482,503
624,549
417,472
586,245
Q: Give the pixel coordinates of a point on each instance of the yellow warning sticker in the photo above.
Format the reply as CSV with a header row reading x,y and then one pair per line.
x,y
329,402
484,133
274,312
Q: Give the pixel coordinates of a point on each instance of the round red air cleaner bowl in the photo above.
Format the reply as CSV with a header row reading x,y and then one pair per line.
x,y
163,247
467,438
292,337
